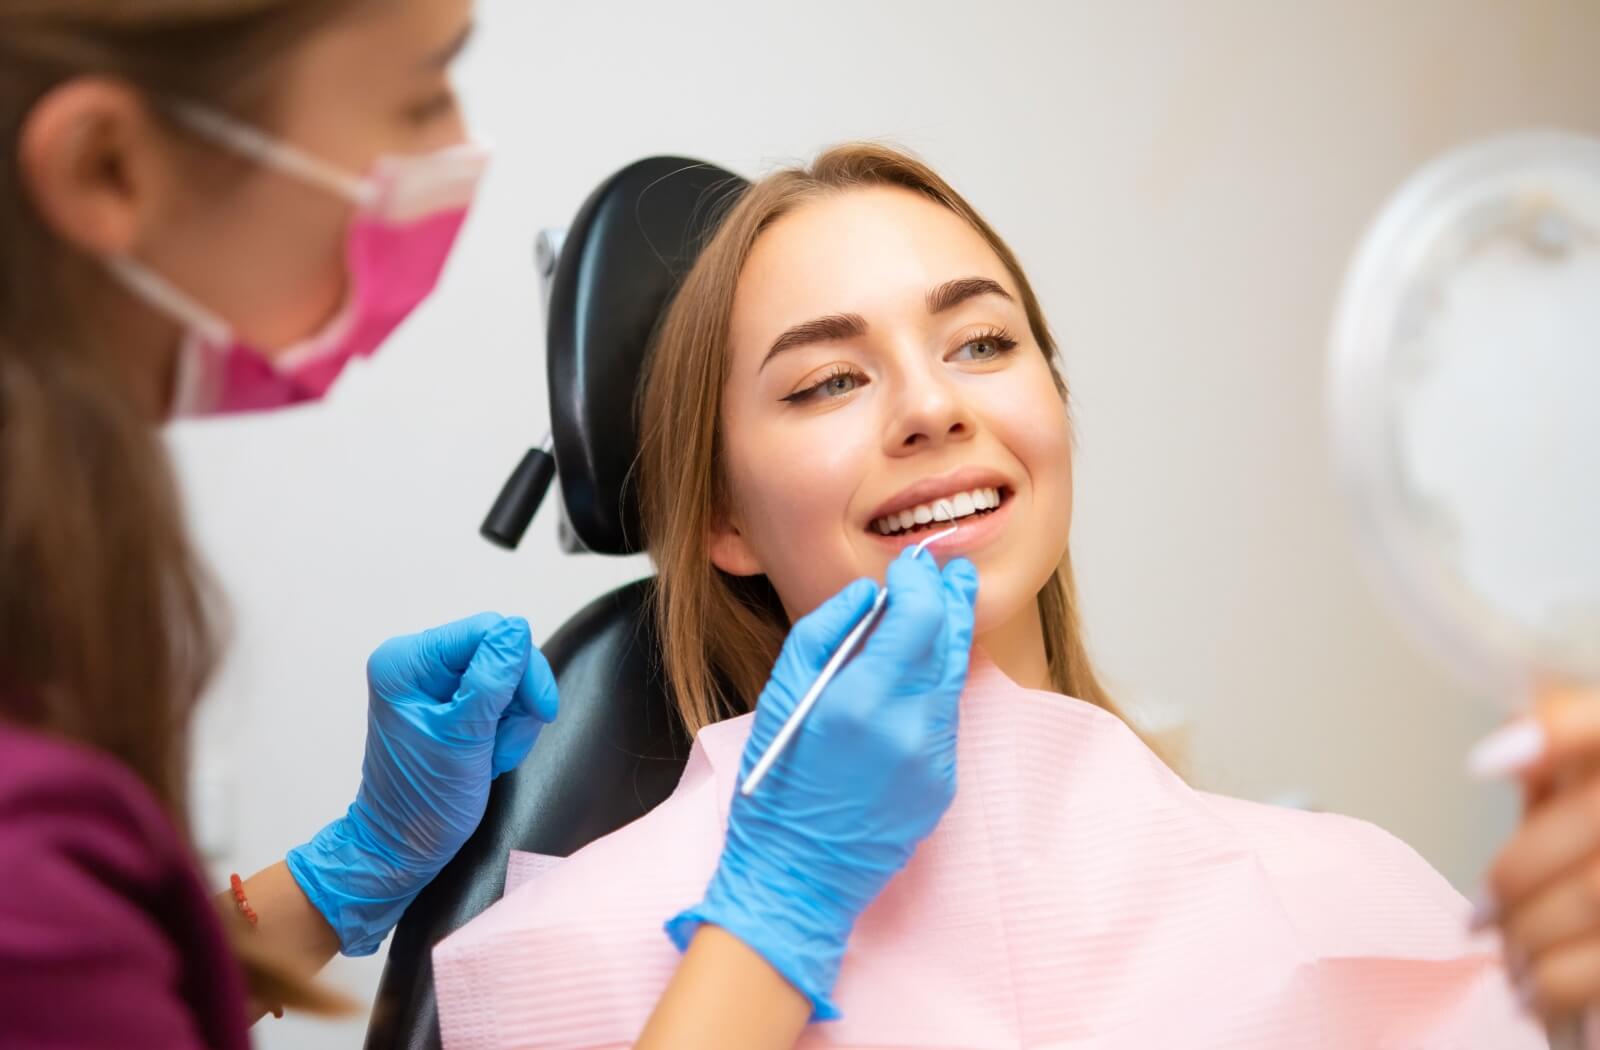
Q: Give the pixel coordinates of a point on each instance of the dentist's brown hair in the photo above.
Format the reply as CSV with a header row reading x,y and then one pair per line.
x,y
108,630
721,634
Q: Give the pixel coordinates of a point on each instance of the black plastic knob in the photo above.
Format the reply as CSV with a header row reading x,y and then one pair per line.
x,y
520,499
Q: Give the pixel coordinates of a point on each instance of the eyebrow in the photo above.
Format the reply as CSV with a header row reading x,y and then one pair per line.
x,y
952,294
837,327
443,58
821,330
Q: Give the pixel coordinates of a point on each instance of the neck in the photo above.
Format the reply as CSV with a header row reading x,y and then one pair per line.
x,y
1017,648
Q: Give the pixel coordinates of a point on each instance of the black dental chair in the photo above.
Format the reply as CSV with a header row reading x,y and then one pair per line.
x,y
617,749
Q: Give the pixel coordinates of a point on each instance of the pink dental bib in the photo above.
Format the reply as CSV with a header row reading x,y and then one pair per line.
x,y
1077,894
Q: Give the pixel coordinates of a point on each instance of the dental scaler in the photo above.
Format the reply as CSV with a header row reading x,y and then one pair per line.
x,y
847,649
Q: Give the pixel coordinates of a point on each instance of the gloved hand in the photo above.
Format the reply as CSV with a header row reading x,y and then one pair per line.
x,y
448,710
866,778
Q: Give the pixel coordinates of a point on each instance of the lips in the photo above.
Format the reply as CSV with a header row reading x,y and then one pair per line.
x,y
954,508
968,536
966,492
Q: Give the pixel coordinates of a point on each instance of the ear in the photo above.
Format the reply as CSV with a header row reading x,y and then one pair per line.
x,y
730,551
90,155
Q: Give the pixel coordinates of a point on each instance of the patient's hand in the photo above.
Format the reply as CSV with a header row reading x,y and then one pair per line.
x,y
1544,887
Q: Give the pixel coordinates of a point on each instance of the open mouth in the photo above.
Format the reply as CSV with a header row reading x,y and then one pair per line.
x,y
924,517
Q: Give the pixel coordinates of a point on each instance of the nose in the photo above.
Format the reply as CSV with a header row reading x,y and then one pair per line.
x,y
928,410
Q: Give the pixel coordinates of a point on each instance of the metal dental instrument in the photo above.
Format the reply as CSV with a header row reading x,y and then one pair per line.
x,y
851,642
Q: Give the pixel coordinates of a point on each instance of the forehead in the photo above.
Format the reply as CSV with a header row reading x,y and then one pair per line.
x,y
392,40
874,250
397,23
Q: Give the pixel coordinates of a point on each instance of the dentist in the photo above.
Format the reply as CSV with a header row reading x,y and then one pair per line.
x,y
210,207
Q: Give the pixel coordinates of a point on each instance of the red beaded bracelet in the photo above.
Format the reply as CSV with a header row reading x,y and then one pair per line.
x,y
250,916
244,905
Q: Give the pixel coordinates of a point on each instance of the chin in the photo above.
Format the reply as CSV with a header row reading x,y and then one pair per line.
x,y
999,606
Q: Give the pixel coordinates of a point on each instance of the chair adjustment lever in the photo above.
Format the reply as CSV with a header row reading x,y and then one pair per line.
x,y
520,499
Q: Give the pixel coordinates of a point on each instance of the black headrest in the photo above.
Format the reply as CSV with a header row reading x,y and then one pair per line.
x,y
624,256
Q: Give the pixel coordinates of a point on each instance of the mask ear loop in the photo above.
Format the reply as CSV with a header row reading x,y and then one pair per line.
x,y
253,145
166,297
847,649
256,145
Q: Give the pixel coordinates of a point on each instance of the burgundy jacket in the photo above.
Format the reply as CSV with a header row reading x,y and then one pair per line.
x,y
108,937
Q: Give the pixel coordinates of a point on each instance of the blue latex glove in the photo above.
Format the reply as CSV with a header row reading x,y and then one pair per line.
x,y
865,780
448,710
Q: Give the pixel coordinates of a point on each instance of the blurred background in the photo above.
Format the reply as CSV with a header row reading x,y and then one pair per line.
x,y
1184,181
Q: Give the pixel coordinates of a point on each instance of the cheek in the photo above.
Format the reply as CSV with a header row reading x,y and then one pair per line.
x,y
1035,431
792,509
290,239
298,266
1046,450
1028,417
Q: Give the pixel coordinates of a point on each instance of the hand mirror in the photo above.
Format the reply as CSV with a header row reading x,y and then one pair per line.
x,y
1466,410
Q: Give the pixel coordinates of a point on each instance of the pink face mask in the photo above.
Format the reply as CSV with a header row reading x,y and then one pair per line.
x,y
409,211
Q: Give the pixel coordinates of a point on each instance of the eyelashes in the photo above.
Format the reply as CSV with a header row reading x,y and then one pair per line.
x,y
832,379
841,379
1000,340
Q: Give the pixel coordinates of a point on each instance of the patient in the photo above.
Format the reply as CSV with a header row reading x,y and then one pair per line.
x,y
854,345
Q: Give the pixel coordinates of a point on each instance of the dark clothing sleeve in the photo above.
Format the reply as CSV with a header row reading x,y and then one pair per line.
x,y
107,935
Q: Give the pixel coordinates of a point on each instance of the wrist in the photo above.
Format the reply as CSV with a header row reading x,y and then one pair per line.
x,y
359,887
801,933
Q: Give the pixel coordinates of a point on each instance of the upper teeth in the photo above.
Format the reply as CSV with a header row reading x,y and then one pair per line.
x,y
962,504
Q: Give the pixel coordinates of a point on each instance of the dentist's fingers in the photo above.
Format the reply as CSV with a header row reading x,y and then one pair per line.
x,y
537,695
960,578
816,635
913,619
493,675
960,581
451,648
811,642
535,705
434,660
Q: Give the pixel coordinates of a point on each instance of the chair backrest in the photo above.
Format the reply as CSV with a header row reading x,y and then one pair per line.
x,y
618,747
620,264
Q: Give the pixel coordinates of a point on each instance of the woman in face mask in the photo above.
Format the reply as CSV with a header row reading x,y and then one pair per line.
x,y
212,206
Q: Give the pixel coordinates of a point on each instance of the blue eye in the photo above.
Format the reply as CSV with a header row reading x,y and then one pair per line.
x,y
840,381
989,346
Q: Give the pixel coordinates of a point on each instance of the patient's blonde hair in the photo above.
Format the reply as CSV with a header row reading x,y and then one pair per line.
x,y
721,634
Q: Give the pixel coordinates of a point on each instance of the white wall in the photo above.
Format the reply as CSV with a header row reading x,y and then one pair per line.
x,y
1184,181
